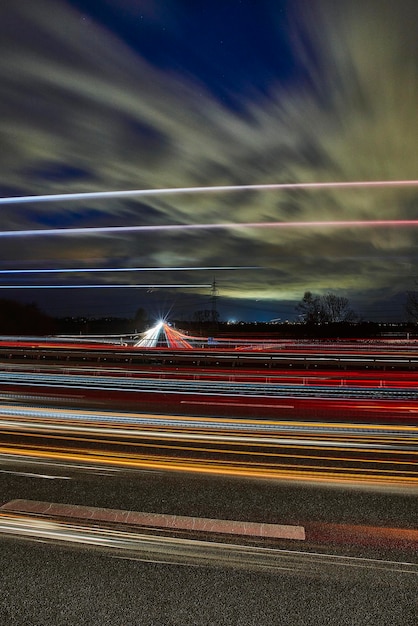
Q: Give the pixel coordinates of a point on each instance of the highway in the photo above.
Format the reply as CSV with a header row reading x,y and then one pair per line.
x,y
352,377
382,355
202,387
307,451
385,398
326,426
269,478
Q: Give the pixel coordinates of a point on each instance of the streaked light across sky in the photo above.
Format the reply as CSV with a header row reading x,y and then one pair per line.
x,y
270,146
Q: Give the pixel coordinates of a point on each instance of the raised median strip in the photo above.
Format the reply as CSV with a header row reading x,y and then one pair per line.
x,y
156,520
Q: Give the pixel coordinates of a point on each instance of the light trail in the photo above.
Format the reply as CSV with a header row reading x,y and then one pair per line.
x,y
102,195
117,286
354,378
195,389
218,424
220,226
28,517
33,475
151,336
58,430
81,270
135,541
133,462
263,449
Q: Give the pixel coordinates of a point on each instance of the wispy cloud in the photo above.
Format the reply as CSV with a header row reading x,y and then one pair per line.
x,y
81,111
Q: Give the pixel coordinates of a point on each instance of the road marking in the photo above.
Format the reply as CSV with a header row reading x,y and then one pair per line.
x,y
33,475
124,541
157,520
246,404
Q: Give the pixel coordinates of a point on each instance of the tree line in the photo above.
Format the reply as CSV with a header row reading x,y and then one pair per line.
x,y
313,311
326,309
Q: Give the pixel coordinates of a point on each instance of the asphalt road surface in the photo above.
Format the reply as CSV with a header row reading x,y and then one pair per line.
x,y
42,585
46,583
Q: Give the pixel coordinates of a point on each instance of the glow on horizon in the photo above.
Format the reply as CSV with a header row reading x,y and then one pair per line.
x,y
220,226
101,195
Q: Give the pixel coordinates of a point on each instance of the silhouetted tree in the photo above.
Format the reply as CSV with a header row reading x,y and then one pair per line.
x,y
337,309
140,320
206,315
328,308
310,308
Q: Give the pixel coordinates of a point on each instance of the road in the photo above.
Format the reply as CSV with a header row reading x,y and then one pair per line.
x,y
45,583
289,450
110,514
42,585
383,355
388,397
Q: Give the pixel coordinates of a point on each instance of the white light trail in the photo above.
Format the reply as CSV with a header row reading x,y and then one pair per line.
x,y
187,286
101,195
129,269
151,337
221,226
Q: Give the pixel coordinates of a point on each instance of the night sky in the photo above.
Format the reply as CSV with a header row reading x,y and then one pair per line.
x,y
99,95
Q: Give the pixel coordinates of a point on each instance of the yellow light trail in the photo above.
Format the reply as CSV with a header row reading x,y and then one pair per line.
x,y
227,467
363,453
222,469
155,436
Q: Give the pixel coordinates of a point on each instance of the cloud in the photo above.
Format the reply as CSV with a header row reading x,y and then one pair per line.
x,y
80,110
